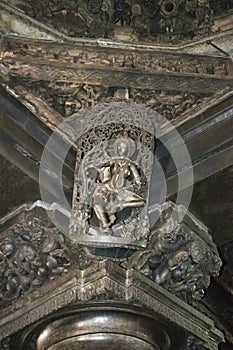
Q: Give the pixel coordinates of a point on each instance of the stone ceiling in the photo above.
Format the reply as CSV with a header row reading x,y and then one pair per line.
x,y
172,56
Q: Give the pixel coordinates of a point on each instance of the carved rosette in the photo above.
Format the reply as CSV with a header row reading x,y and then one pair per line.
x,y
112,177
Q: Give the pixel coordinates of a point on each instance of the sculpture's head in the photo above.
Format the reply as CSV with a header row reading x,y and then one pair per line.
x,y
124,147
7,248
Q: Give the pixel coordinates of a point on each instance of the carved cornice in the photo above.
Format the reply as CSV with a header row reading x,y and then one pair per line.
x,y
115,67
69,97
144,59
69,78
129,286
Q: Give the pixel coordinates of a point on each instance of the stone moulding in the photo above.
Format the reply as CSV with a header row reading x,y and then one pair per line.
x,y
107,278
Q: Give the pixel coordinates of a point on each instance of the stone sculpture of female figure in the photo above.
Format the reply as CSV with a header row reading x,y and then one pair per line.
x,y
116,182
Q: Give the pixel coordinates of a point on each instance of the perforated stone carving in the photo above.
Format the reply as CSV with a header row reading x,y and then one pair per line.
x,y
112,177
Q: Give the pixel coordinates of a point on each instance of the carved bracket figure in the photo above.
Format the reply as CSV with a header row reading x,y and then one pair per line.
x,y
194,343
112,178
179,258
31,253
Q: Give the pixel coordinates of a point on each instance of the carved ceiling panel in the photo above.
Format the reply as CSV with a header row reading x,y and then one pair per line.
x,y
168,21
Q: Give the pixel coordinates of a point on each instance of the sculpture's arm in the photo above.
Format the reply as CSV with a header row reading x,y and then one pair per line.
x,y
135,174
93,165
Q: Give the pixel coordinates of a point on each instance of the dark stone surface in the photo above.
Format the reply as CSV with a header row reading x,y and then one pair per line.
x,y
16,188
212,204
